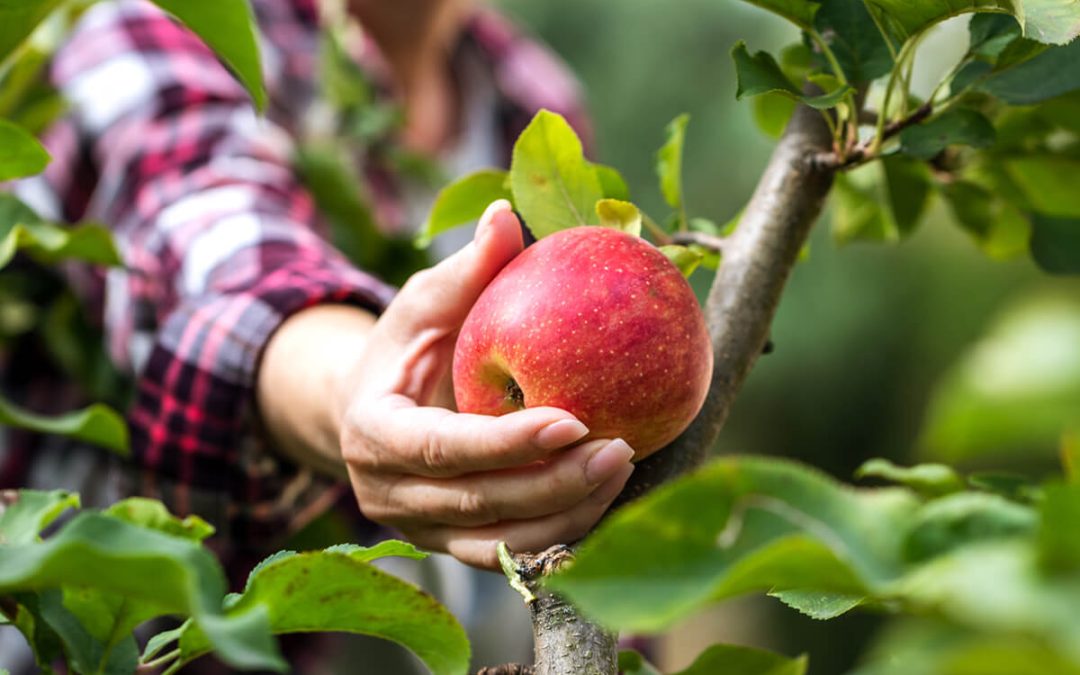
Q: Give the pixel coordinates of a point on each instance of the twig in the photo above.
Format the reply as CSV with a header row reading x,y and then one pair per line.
x,y
709,241
830,161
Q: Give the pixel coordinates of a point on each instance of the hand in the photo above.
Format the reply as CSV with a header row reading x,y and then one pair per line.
x,y
454,482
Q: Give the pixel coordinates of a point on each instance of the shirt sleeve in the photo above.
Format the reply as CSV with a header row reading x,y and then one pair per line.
x,y
219,241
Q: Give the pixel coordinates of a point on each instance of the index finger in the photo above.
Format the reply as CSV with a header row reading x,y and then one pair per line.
x,y
393,434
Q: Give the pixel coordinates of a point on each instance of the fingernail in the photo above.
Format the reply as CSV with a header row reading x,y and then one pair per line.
x,y
484,226
607,460
560,434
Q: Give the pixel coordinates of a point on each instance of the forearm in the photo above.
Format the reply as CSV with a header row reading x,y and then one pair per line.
x,y
303,382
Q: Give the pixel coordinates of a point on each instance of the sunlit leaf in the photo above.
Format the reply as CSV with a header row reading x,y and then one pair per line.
x,y
152,514
20,153
612,183
33,510
799,12
554,186
228,27
1048,183
685,258
928,479
18,19
333,591
633,663
1059,539
1001,230
97,424
819,605
173,575
880,201
669,162
463,202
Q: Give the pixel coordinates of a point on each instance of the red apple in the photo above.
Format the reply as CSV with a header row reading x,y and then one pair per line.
x,y
594,321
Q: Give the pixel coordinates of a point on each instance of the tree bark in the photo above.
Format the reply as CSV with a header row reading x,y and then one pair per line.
x,y
757,260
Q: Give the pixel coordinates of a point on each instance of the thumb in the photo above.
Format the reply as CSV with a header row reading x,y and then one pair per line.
x,y
443,295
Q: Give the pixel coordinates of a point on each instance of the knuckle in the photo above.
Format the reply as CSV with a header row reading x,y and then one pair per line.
x,y
475,509
433,454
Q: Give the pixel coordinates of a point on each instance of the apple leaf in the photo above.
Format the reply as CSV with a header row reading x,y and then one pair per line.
x,y
612,184
227,27
932,480
20,153
554,187
152,514
820,605
854,38
799,12
1047,182
737,525
1059,547
965,518
464,201
881,201
1055,244
173,575
761,74
669,164
21,229
685,258
1049,73
736,660
97,424
915,16
772,113
335,590
633,663
1000,229
17,21
957,126
1052,21
619,215
33,510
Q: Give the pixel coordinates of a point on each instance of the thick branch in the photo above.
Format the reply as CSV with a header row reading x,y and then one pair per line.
x,y
758,258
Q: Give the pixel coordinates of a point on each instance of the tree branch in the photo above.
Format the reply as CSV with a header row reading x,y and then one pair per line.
x,y
757,260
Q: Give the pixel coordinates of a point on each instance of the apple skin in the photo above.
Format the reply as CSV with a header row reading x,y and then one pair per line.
x,y
594,321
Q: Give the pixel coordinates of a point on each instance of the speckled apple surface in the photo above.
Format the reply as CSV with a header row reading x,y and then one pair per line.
x,y
596,322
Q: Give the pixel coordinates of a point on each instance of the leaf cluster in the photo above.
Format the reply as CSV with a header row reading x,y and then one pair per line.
x,y
79,594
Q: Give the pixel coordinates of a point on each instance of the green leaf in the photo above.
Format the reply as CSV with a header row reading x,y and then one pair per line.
x,y
633,663
1055,244
932,480
173,575
612,184
735,660
1051,73
464,201
87,653
761,74
1059,540
772,113
963,518
738,525
999,228
669,161
33,510
554,186
1014,391
820,605
880,201
799,12
990,34
958,126
1052,21
20,153
17,20
685,258
619,215
227,27
97,424
332,591
20,228
915,16
152,514
849,30
384,549
1048,183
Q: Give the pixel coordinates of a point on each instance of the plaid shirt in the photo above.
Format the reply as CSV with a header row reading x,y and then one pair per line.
x,y
220,242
